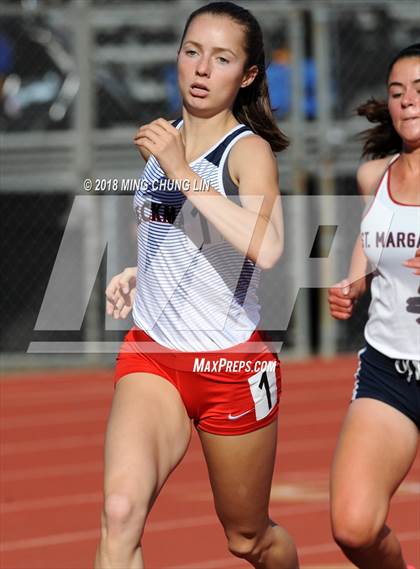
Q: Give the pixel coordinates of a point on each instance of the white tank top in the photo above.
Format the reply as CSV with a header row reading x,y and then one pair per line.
x,y
195,292
390,235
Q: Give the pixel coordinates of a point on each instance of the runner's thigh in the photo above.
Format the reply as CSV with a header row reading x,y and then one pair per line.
x,y
147,435
241,470
376,449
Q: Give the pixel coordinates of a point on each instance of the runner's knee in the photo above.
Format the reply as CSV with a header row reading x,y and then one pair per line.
x,y
243,544
355,530
122,514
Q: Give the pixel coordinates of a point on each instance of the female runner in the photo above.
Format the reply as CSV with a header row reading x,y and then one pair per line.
x,y
192,354
379,439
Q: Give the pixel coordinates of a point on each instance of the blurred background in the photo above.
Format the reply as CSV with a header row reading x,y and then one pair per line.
x,y
77,78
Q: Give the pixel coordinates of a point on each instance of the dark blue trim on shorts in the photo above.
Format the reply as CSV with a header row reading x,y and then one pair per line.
x,y
377,378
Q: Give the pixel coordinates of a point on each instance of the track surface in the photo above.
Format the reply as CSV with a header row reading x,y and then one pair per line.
x,y
52,430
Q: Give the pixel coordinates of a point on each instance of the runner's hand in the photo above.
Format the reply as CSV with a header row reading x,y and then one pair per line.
x,y
342,298
164,141
120,293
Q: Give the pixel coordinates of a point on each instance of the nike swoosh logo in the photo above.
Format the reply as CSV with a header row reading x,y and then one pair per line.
x,y
234,417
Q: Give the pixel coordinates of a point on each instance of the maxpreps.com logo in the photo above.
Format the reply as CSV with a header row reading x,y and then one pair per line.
x,y
204,365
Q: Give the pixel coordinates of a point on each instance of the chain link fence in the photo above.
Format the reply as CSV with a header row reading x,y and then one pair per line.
x,y
78,77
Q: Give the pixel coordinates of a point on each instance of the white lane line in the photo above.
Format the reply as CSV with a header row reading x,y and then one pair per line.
x,y
60,443
47,419
57,539
74,398
51,471
74,537
57,375
40,392
48,503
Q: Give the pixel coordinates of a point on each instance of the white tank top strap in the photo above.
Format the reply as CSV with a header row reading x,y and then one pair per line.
x,y
382,190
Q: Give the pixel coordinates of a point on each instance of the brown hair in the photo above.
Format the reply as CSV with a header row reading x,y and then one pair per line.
x,y
252,104
383,140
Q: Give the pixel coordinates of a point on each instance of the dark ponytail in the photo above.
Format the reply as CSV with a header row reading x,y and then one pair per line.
x,y
383,140
252,105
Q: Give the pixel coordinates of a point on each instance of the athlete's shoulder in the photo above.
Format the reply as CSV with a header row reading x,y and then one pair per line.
x,y
251,159
253,142
369,174
252,149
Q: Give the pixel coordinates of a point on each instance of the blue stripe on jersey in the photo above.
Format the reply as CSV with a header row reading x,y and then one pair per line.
x,y
216,155
176,122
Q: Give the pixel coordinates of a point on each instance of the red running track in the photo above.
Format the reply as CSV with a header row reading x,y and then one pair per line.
x,y
52,431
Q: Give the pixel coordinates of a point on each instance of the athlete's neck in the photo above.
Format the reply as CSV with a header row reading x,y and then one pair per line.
x,y
200,133
410,157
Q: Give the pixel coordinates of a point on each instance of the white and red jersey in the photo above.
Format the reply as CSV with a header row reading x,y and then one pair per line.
x,y
391,234
195,291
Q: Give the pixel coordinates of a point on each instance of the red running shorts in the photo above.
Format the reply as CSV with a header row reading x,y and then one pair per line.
x,y
225,392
